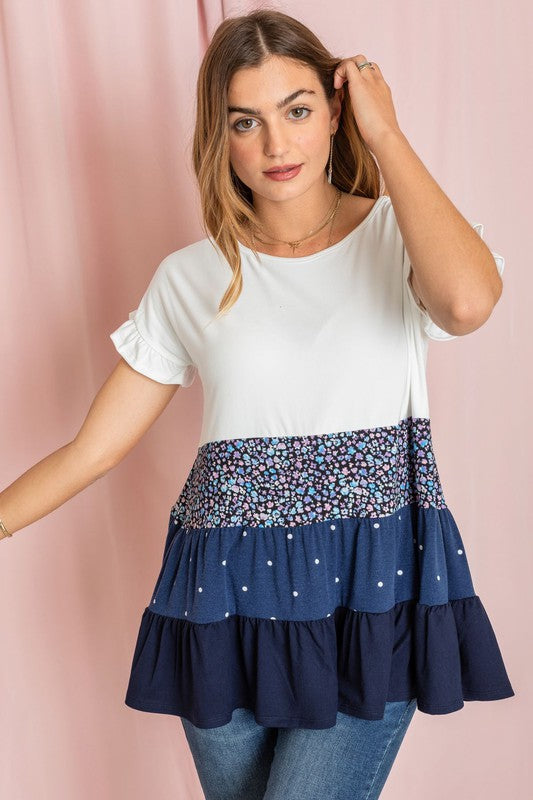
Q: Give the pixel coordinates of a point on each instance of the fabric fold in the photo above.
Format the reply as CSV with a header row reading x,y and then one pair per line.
x,y
144,358
299,673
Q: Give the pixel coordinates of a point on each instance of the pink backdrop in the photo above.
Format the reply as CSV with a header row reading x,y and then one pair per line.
x,y
97,103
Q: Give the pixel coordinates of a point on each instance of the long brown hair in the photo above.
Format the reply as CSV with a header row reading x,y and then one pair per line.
x,y
226,202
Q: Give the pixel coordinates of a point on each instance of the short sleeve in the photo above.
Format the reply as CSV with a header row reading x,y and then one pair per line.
x,y
430,328
148,340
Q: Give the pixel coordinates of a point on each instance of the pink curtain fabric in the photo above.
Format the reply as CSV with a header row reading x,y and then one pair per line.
x,y
97,103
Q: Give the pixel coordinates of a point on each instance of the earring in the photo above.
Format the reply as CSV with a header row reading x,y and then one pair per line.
x,y
330,158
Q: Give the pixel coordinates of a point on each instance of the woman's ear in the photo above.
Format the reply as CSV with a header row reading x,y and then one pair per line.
x,y
337,105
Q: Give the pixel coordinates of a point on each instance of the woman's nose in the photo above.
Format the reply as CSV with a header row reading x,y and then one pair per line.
x,y
275,142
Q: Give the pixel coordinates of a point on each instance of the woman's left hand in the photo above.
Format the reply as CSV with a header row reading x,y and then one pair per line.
x,y
370,96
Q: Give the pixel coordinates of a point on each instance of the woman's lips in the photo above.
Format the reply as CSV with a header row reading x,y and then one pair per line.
x,y
284,176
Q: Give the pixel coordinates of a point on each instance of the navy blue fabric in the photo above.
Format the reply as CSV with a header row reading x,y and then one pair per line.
x,y
362,563
297,674
386,611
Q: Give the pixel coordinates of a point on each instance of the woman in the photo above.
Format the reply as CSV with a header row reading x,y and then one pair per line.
x,y
314,589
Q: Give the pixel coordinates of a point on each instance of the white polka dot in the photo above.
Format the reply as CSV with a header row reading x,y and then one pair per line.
x,y
380,583
317,561
328,615
460,552
337,580
185,613
420,546
295,594
244,533
289,536
153,601
272,617
376,524
332,527
400,572
200,589
269,563
190,559
438,577
245,588
399,517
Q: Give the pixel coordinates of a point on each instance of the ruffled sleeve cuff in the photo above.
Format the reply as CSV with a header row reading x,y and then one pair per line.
x,y
144,358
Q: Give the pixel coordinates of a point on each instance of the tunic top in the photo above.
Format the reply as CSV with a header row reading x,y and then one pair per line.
x,y
311,564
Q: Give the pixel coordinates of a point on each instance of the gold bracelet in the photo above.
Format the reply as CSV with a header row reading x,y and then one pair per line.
x,y
4,530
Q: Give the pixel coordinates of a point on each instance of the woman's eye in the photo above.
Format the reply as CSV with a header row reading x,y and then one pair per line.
x,y
249,119
301,108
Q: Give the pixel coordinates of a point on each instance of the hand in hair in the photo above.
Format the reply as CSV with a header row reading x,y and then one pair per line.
x,y
370,97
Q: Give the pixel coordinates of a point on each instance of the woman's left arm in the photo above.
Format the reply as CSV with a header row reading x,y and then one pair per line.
x,y
453,270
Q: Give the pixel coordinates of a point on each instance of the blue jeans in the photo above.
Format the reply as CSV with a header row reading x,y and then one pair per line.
x,y
350,761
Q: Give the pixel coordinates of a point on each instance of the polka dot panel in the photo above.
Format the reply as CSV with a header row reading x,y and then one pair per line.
x,y
305,572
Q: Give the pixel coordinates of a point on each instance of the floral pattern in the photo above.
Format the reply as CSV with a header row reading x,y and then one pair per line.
x,y
296,480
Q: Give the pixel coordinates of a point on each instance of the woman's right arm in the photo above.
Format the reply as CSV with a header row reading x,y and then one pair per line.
x,y
126,405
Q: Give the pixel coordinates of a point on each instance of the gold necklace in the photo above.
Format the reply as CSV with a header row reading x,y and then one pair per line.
x,y
298,242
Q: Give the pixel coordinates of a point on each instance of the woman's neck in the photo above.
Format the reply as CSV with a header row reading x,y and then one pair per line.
x,y
352,210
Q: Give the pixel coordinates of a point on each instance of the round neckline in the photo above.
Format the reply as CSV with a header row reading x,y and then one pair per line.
x,y
326,250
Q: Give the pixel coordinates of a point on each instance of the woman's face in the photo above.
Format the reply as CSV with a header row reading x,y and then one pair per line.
x,y
262,136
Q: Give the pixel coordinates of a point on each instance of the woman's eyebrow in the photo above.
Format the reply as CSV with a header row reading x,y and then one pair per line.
x,y
280,104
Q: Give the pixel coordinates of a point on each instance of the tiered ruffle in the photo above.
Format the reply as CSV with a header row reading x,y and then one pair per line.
x,y
298,674
307,575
